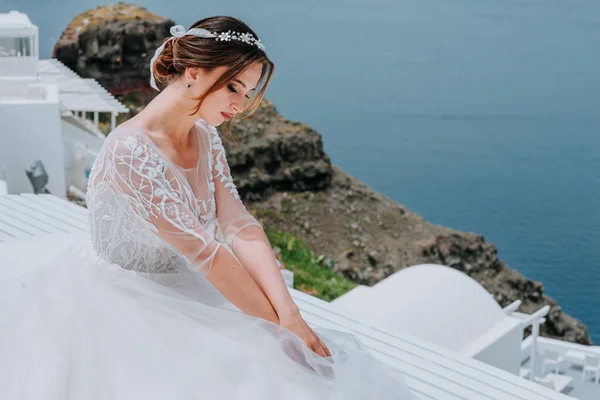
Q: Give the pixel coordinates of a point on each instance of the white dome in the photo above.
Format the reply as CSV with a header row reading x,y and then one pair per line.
x,y
432,302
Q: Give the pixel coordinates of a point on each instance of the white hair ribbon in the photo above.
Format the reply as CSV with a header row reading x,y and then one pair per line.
x,y
177,31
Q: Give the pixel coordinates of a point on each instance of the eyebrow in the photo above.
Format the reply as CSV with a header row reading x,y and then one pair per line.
x,y
242,83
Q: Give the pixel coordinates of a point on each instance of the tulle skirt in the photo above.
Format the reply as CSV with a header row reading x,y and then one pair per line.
x,y
73,326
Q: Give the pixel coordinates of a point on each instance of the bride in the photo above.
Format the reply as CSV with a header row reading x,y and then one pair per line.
x,y
176,293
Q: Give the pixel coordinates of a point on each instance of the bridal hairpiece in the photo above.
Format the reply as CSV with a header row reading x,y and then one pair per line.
x,y
178,31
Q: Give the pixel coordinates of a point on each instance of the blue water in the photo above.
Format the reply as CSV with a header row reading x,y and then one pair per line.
x,y
482,115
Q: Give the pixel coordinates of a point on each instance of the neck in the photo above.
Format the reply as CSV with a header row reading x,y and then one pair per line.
x,y
169,114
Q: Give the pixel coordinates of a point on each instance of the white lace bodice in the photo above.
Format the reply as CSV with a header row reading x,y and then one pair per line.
x,y
151,215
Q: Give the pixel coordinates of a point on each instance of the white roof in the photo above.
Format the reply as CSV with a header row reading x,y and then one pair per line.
x,y
76,93
14,24
444,306
431,371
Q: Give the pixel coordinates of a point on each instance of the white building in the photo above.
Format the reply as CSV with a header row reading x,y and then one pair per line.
x,y
449,309
445,307
43,110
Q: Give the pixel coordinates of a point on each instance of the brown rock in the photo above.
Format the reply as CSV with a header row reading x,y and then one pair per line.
x,y
113,44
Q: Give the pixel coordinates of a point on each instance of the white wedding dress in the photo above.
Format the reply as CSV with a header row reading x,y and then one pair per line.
x,y
127,312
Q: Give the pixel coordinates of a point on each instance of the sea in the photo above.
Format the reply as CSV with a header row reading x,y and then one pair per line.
x,y
480,115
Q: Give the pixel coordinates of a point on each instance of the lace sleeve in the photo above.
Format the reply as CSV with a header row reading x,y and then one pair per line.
x,y
231,212
133,167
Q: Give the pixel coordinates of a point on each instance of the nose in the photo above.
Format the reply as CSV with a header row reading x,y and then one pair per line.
x,y
236,106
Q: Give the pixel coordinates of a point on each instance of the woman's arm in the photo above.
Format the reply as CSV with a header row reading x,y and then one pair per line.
x,y
237,285
246,238
251,246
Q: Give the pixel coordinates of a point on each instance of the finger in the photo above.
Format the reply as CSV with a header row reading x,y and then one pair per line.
x,y
315,345
318,348
321,349
324,349
327,352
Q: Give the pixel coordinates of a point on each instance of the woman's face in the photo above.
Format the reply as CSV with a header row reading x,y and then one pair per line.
x,y
231,98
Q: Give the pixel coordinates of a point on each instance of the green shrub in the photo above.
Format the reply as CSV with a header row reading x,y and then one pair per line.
x,y
310,275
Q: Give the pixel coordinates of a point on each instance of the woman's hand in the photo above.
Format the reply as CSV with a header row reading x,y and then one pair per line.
x,y
295,323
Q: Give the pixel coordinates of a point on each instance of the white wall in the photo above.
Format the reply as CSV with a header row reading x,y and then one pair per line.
x,y
21,88
18,66
29,132
505,352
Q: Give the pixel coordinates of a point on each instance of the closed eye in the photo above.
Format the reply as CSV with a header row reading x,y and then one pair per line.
x,y
232,89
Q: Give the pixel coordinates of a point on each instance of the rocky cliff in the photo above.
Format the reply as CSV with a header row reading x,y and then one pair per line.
x,y
113,44
269,154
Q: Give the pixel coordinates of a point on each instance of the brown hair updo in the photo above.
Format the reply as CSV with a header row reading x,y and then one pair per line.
x,y
191,51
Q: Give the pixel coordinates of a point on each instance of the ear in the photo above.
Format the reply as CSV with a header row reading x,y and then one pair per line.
x,y
193,75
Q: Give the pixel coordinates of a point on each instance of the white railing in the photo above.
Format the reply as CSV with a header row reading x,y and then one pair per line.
x,y
562,347
92,127
512,307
